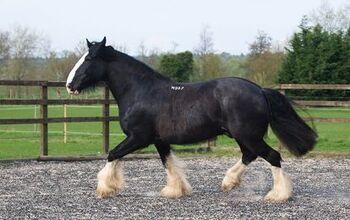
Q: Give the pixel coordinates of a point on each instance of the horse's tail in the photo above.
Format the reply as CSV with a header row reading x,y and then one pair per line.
x,y
290,129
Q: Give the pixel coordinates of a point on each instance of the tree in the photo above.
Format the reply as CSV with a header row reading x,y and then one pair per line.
x,y
316,55
80,48
25,46
234,65
263,63
120,47
142,51
263,69
178,66
261,44
149,57
211,66
4,45
208,65
4,52
60,66
206,43
153,58
332,19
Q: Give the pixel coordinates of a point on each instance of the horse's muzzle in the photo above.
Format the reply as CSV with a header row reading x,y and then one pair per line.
x,y
71,90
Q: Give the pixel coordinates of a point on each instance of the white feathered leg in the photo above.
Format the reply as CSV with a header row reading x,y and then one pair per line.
x,y
282,186
110,179
233,176
177,185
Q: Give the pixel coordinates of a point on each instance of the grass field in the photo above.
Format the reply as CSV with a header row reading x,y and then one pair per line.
x,y
22,141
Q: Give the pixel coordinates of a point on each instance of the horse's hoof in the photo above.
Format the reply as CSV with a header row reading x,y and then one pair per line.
x,y
274,196
102,194
104,191
226,187
110,180
175,192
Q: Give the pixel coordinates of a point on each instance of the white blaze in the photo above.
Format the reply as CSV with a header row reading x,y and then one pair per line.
x,y
73,71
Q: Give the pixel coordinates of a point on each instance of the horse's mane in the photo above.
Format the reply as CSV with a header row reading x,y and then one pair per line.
x,y
111,54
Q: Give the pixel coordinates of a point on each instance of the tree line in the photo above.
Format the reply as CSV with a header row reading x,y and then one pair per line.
x,y
319,52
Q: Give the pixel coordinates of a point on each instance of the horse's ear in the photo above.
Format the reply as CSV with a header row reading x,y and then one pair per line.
x,y
104,41
89,44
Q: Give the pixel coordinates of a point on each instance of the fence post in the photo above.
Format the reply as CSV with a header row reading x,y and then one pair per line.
x,y
43,127
35,116
211,143
105,123
65,124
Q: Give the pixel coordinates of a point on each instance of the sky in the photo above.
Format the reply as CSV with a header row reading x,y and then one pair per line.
x,y
158,24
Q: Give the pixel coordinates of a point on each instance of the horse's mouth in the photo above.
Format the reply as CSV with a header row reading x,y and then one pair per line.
x,y
76,92
73,92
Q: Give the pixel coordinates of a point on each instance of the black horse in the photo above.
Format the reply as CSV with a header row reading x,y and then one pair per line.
x,y
156,110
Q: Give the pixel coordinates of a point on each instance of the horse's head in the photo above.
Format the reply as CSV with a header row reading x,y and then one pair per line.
x,y
89,70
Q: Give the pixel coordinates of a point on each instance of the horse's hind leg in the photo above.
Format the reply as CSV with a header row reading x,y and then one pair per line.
x,y
282,186
177,185
232,178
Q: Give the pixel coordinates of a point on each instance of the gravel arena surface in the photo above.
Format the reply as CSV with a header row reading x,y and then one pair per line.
x,y
66,190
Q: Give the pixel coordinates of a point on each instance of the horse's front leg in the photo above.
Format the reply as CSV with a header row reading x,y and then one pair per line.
x,y
177,185
110,178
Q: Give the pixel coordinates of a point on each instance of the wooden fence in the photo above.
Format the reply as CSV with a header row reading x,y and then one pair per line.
x,y
44,120
105,101
324,103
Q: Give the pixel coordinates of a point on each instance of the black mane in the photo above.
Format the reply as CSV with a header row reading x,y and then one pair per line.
x,y
111,54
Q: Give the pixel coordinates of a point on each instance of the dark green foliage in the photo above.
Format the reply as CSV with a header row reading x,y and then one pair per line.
x,y
318,57
178,67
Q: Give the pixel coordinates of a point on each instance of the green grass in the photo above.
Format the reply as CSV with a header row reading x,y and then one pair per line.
x,y
23,141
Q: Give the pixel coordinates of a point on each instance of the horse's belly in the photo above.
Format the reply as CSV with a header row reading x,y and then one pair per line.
x,y
185,134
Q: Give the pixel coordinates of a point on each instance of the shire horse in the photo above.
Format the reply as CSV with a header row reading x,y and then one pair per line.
x,y
153,109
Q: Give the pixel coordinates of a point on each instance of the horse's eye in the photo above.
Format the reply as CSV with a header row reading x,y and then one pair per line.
x,y
87,58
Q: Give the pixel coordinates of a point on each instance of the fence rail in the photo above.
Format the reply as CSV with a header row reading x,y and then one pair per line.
x,y
317,103
31,83
312,103
56,102
57,120
314,86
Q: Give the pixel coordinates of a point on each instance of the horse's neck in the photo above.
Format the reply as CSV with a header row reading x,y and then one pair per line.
x,y
128,84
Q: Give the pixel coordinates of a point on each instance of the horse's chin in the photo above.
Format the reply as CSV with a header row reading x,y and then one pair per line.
x,y
75,92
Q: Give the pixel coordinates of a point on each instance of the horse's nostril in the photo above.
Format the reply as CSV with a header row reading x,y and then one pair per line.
x,y
69,86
